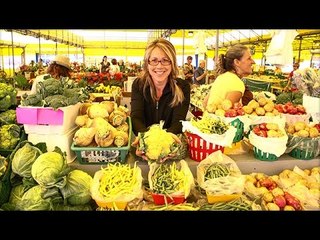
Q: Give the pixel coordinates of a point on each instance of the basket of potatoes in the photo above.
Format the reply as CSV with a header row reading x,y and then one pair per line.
x,y
304,140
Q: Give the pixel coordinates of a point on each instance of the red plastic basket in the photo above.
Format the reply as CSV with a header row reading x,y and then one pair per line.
x,y
197,113
199,148
161,199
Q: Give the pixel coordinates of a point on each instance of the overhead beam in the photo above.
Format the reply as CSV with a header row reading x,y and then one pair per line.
x,y
45,36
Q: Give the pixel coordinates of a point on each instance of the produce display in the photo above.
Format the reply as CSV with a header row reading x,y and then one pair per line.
x,y
33,178
10,132
157,143
268,130
210,125
171,180
55,93
3,165
103,125
43,181
8,96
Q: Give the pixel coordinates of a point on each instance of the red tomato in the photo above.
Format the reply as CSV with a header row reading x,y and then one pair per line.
x,y
263,126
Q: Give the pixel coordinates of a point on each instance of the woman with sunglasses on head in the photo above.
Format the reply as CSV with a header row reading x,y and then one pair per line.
x,y
159,94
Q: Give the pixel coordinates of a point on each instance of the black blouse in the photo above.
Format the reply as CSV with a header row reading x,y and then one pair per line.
x,y
144,112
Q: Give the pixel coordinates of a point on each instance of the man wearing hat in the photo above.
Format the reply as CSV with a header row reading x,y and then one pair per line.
x,y
59,67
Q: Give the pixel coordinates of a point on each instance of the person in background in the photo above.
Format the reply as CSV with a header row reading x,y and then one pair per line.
x,y
158,94
104,65
232,66
188,70
40,64
291,85
213,74
122,66
133,70
277,70
114,67
60,67
200,73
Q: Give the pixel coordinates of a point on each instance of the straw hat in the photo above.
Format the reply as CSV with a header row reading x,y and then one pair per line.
x,y
63,61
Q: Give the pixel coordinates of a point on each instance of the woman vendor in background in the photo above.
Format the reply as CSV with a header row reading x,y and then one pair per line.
x,y
60,67
232,66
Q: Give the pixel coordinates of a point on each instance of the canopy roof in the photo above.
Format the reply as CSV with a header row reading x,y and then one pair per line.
x,y
308,39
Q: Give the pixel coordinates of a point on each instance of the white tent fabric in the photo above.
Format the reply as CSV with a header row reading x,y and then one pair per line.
x,y
280,49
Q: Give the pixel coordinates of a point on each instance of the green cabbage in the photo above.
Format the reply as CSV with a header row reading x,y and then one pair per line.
x,y
16,194
50,169
32,200
77,189
23,160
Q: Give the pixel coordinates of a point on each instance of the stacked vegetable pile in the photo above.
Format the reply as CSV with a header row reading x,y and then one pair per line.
x,y
8,96
226,108
42,180
55,93
197,95
304,140
10,132
293,97
269,140
261,107
211,128
4,180
290,190
170,180
220,177
116,185
102,125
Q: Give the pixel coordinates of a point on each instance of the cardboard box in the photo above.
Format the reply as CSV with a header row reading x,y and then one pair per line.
x,y
46,120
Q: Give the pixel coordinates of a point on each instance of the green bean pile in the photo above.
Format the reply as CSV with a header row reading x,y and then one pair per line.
x,y
216,170
234,205
167,179
210,125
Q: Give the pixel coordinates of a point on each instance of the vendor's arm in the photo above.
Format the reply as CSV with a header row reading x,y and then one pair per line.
x,y
180,111
234,96
137,109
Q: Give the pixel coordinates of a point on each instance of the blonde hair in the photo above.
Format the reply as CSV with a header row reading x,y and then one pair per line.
x,y
170,51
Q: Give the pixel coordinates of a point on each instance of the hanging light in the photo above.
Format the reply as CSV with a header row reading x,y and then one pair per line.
x,y
190,33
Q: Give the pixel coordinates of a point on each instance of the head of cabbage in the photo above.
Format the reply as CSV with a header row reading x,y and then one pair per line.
x,y
32,200
23,160
77,189
50,169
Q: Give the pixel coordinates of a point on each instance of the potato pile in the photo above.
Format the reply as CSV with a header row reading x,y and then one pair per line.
x,y
301,129
226,109
272,196
294,190
262,107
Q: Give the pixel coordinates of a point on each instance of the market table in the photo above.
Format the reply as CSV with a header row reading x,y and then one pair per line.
x,y
246,162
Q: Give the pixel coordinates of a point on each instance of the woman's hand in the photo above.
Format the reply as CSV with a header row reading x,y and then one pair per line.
x,y
139,153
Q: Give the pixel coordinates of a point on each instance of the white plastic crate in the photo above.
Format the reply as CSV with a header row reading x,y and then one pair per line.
x,y
63,141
